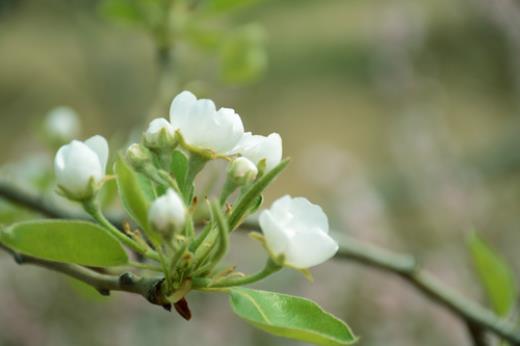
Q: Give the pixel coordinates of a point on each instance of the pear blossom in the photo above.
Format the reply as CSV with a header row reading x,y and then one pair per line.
x,y
298,230
242,170
167,213
80,164
257,148
203,126
62,123
160,134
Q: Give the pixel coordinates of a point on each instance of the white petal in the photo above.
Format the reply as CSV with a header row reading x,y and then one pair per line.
x,y
167,211
308,249
229,130
75,165
99,145
276,238
273,150
257,148
298,229
198,126
181,105
59,161
309,214
158,124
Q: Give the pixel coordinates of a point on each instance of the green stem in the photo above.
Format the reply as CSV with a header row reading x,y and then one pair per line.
x,y
223,232
244,203
229,187
145,266
201,237
93,209
270,268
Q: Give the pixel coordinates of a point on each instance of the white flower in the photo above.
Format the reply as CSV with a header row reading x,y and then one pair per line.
x,y
79,163
298,229
167,213
62,123
257,148
203,126
242,170
160,134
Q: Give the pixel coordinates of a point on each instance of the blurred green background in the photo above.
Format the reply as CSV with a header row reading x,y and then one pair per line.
x,y
401,117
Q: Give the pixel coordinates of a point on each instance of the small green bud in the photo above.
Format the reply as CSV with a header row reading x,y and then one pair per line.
x,y
160,135
138,156
242,171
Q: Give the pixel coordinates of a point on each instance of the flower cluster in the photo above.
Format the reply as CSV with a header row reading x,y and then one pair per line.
x,y
170,155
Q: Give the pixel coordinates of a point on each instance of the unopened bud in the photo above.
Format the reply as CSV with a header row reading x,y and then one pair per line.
x,y
138,156
159,135
167,214
242,171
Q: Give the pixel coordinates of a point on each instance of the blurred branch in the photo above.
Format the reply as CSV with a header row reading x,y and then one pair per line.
x,y
36,203
479,318
149,288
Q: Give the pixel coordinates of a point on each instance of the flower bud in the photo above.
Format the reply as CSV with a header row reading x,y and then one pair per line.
x,y
159,135
298,231
242,171
138,156
167,214
62,124
80,166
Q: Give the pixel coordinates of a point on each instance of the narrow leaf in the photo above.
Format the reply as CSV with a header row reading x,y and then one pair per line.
x,y
179,166
495,274
249,198
289,316
135,192
77,242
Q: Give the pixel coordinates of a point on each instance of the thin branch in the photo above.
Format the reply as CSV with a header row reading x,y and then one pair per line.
x,y
29,200
405,266
149,288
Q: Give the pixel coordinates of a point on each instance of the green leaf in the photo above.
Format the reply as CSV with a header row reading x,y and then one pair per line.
x,y
243,56
289,316
77,242
135,192
495,274
179,166
250,198
227,5
124,10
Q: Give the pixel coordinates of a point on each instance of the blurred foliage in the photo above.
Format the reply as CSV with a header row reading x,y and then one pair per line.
x,y
401,117
496,276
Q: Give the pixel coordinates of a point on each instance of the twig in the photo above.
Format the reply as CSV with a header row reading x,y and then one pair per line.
x,y
149,288
479,318
34,202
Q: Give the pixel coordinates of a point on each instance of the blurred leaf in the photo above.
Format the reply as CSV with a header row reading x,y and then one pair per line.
x,y
242,55
108,194
125,10
289,316
77,242
135,192
495,274
10,213
141,12
227,5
